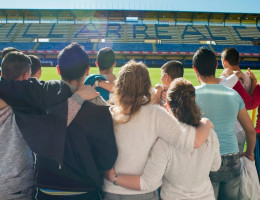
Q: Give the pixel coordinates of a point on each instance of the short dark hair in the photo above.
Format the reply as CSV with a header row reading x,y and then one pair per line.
x,y
231,55
174,68
36,64
105,58
205,61
14,64
7,50
73,62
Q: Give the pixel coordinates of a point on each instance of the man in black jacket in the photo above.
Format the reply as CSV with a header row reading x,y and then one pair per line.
x,y
68,166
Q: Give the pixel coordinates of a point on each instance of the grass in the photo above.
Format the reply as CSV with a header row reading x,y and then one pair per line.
x,y
50,73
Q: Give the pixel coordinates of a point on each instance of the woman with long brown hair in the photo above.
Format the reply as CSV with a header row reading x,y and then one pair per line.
x,y
137,124
182,174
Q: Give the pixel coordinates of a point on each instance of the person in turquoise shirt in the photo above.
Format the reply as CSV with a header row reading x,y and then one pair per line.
x,y
223,106
103,81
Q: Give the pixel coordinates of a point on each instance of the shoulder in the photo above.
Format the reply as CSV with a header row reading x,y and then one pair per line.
x,y
93,115
92,78
246,75
155,109
213,138
198,87
52,83
95,109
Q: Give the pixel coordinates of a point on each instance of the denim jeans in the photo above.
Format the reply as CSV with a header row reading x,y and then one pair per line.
x,y
226,180
90,195
27,194
148,196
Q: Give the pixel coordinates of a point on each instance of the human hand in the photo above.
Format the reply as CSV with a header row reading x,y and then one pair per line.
x,y
240,75
251,75
226,72
110,175
158,87
207,122
164,95
250,157
87,92
3,104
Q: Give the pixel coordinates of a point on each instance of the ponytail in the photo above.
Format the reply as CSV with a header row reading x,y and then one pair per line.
x,y
181,98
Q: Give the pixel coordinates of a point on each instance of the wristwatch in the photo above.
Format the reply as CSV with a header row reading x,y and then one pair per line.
x,y
97,82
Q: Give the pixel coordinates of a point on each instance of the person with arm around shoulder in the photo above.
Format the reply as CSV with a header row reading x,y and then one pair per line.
x,y
135,133
174,170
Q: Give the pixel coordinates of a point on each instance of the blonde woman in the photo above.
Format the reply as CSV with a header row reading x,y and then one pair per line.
x,y
183,175
137,124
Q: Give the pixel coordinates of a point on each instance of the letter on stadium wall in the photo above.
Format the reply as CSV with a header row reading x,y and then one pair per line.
x,y
93,33
7,35
2,26
29,35
157,31
244,38
50,35
116,32
140,31
213,37
195,32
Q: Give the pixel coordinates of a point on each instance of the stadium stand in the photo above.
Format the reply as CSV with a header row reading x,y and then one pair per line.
x,y
162,34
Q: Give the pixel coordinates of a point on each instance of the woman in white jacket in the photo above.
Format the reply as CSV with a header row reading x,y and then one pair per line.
x,y
182,174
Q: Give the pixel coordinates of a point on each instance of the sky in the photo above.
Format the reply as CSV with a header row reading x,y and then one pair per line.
x,y
226,6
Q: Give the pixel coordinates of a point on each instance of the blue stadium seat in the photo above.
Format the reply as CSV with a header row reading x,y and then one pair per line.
x,y
179,47
18,45
240,48
126,46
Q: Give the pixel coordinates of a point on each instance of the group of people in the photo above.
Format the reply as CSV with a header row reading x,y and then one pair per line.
x,y
63,140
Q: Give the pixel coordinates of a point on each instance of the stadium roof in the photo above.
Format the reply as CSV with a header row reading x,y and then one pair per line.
x,y
222,6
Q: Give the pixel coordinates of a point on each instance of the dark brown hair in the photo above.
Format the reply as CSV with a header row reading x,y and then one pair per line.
x,y
36,64
174,68
231,55
15,64
181,98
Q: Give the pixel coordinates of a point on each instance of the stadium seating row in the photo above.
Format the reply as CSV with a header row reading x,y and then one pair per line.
x,y
130,47
151,62
130,33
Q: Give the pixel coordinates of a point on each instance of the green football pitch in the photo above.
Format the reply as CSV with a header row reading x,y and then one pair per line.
x,y
50,73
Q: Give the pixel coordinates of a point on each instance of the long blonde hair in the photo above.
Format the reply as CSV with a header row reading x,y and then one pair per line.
x,y
132,90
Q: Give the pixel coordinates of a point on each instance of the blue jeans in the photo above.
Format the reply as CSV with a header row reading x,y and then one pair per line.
x,y
226,180
148,196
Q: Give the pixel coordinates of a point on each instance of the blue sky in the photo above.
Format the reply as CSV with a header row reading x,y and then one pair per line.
x,y
237,6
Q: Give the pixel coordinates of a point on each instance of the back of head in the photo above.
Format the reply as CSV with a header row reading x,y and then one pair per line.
x,y
133,87
231,55
181,98
73,62
15,64
105,58
173,68
7,50
205,62
36,64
